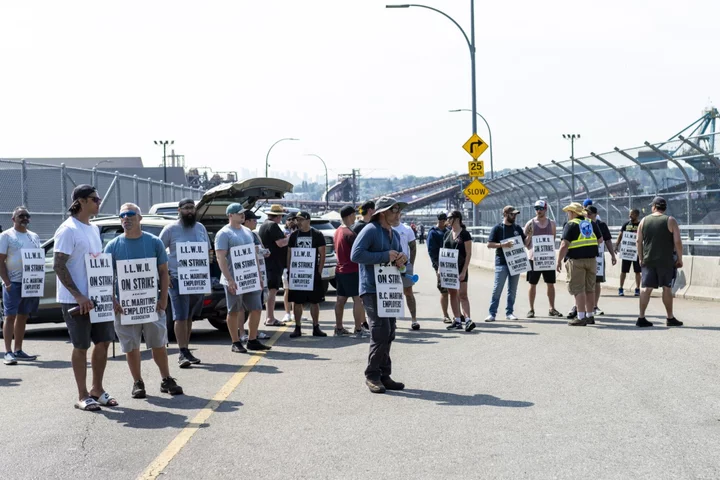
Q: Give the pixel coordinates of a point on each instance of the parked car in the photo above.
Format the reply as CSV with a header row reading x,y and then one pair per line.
x,y
210,212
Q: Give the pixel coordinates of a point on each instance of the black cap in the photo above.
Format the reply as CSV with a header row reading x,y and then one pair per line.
x,y
442,216
186,201
250,215
591,209
346,211
82,191
367,206
659,202
304,215
455,214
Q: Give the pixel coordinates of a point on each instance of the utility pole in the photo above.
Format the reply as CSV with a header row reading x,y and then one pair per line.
x,y
572,137
164,144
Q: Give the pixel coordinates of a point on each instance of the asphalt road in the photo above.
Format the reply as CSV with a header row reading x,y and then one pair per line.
x,y
526,399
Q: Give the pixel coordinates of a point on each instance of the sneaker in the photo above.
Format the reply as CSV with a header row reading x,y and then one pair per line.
x,y
341,332
263,336
391,384
598,312
469,326
642,323
621,292
637,292
572,313
237,347
138,390
673,322
255,345
366,326
362,333
375,386
577,322
183,361
555,313
531,314
447,320
415,326
317,332
287,318
244,338
511,317
590,320
490,318
20,355
169,385
10,359
296,333
454,326
193,359
462,319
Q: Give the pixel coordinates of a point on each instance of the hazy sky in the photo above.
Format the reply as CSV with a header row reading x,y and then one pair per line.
x,y
361,86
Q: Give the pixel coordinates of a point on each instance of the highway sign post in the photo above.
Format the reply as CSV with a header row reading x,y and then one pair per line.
x,y
475,146
476,191
476,168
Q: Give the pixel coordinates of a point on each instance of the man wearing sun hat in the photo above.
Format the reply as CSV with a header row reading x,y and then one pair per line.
x,y
274,238
580,244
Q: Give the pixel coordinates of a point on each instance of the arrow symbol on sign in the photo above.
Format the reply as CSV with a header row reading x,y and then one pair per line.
x,y
473,144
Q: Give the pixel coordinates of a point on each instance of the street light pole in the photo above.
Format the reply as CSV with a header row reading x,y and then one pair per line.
x,y
572,137
327,184
164,144
101,162
492,170
470,42
269,149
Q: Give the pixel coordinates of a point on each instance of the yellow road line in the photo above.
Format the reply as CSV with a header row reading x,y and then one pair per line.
x,y
161,461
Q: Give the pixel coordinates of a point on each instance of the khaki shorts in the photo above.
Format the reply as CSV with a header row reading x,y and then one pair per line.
x,y
582,275
155,333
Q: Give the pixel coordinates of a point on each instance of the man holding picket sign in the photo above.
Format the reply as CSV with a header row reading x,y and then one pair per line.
x,y
541,232
241,276
306,259
140,260
188,248
22,270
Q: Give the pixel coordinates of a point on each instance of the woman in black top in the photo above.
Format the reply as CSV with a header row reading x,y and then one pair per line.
x,y
458,238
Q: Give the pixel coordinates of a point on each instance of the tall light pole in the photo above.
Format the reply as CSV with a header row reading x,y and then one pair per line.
x,y
572,137
269,149
101,162
164,144
492,170
327,185
471,45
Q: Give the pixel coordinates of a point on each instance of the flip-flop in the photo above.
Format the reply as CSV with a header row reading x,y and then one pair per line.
x,y
275,323
88,405
106,400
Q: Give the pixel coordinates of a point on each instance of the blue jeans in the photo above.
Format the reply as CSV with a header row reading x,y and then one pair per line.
x,y
501,275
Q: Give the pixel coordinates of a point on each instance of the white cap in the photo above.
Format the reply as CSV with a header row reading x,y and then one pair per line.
x,y
541,203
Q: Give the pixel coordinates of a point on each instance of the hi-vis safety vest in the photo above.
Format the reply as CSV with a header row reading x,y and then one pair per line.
x,y
587,236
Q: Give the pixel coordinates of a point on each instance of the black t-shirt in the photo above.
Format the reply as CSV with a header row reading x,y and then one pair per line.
x,y
604,230
630,227
499,234
270,232
310,239
359,225
458,244
571,232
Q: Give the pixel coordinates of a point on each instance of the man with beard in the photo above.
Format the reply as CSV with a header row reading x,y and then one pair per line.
x,y
501,236
184,307
16,308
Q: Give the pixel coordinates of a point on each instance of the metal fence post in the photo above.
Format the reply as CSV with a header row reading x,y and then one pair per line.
x,y
172,191
93,177
136,190
150,195
23,183
63,191
162,189
117,190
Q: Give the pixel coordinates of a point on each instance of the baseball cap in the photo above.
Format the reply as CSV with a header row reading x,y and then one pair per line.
x,y
659,202
234,208
304,215
82,191
250,215
591,209
587,202
442,216
366,206
346,211
510,209
541,204
186,201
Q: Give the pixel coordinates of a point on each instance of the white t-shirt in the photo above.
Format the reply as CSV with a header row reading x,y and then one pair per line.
x,y
406,236
76,239
11,244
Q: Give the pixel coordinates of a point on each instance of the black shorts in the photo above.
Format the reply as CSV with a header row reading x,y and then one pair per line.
x,y
317,295
656,277
626,266
599,280
82,331
274,280
348,284
533,277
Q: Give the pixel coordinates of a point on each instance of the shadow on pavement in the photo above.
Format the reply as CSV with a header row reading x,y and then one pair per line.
x,y
190,402
51,364
453,399
228,368
10,382
277,355
145,419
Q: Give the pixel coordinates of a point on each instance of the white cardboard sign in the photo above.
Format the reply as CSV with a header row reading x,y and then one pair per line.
x,y
33,277
628,246
100,286
517,257
544,258
138,288
193,268
245,268
302,269
389,288
600,269
448,268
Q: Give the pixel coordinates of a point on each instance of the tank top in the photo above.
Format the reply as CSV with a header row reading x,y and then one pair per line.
x,y
658,243
537,230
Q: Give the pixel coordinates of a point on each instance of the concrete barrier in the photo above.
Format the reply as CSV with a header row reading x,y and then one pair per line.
x,y
699,279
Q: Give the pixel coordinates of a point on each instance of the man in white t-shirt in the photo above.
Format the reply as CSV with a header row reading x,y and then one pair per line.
x,y
409,248
75,240
16,307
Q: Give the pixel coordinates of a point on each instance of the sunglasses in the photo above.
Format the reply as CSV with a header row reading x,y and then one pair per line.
x,y
127,214
395,209
537,209
23,215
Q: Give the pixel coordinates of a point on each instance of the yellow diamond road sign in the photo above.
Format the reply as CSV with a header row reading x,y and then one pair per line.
x,y
476,168
476,191
475,146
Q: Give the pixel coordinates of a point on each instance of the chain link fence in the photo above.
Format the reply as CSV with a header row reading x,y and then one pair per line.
x,y
45,190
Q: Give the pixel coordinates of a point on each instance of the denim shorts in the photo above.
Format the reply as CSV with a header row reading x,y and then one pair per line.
x,y
184,307
14,304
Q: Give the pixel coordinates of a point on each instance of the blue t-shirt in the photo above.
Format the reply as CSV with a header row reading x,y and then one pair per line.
x,y
146,246
176,233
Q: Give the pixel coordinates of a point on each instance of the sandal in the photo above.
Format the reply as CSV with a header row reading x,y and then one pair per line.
x,y
105,399
88,405
275,323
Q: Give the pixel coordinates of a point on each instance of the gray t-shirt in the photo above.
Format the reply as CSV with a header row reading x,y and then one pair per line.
x,y
176,233
11,244
229,237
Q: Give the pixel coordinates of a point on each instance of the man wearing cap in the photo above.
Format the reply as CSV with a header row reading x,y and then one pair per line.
x,y
234,235
435,238
184,306
290,227
307,237
409,248
660,252
75,240
367,210
592,215
376,244
631,226
347,276
501,237
541,225
250,223
580,244
275,240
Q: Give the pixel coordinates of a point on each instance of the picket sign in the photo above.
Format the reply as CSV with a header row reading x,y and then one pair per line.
x,y
302,269
100,275
628,246
389,288
33,276
544,258
516,256
448,268
138,289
